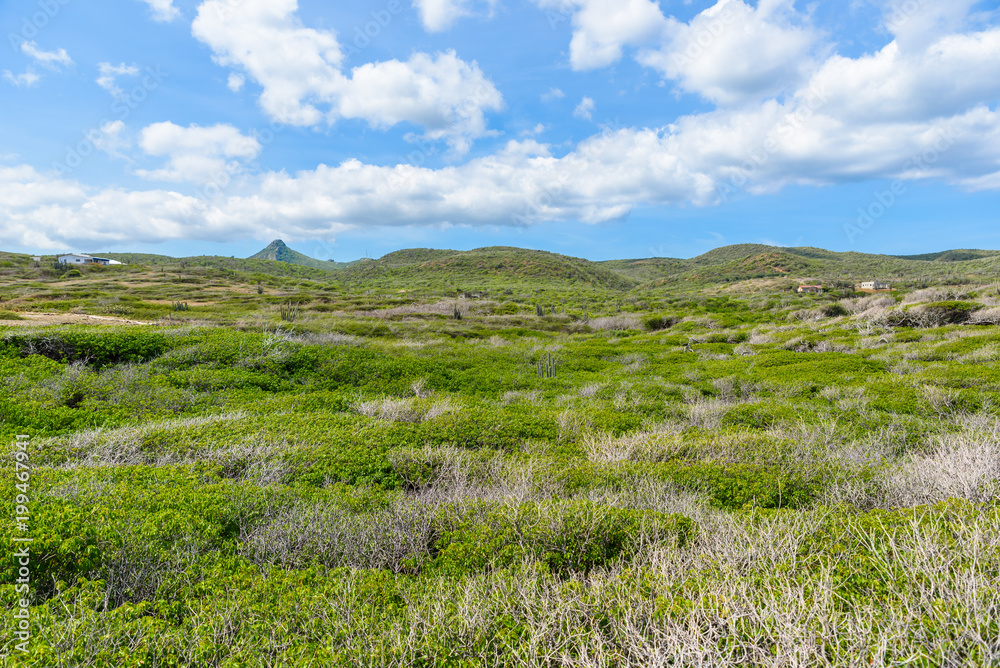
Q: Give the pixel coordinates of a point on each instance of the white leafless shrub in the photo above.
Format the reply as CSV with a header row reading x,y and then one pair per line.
x,y
702,321
391,409
986,316
989,353
936,295
328,339
572,423
310,532
826,346
871,342
662,444
520,397
707,413
419,388
621,322
410,343
632,361
643,493
444,307
941,399
447,475
758,338
961,466
123,446
438,408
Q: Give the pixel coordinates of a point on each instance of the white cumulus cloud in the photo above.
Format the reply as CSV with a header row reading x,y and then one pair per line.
x,y
552,94
734,53
108,79
917,23
196,154
439,15
585,109
51,59
300,71
163,10
602,27
26,79
913,113
112,139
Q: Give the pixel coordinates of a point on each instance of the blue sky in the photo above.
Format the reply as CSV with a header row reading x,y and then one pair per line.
x,y
597,128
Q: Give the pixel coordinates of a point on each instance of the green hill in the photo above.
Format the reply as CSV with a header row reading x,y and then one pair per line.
x,y
484,267
410,256
278,251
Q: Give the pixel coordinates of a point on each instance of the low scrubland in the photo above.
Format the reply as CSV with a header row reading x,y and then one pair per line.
x,y
540,478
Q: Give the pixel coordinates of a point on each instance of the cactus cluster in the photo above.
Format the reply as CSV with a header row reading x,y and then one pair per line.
x,y
547,366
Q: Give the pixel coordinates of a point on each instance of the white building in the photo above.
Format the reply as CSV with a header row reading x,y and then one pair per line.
x,y
876,285
81,258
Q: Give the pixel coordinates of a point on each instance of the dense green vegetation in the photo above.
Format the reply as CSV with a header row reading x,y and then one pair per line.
x,y
503,458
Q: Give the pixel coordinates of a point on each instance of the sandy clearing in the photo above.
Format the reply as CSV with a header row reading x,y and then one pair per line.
x,y
68,319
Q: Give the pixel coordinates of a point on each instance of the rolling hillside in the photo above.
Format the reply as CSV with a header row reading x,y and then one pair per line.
x,y
749,261
497,266
486,267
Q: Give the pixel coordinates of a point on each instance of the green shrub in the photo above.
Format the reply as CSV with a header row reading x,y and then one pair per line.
x,y
660,322
758,415
563,536
834,310
948,313
67,542
736,486
98,348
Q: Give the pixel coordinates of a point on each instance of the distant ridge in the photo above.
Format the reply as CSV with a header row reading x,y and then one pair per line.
x,y
499,265
959,255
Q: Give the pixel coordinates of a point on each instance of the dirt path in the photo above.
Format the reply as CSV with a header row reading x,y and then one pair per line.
x,y
68,319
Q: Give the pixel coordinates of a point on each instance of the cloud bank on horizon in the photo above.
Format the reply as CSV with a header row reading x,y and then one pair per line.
x,y
733,99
